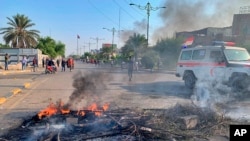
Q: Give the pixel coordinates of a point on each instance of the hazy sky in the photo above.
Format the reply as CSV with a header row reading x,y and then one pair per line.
x,y
63,20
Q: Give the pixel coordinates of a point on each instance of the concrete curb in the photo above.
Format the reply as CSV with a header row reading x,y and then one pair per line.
x,y
14,92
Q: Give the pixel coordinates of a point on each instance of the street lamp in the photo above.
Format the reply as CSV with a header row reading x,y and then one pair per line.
x,y
147,7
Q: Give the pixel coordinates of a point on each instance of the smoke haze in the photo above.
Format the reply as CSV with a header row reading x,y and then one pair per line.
x,y
187,15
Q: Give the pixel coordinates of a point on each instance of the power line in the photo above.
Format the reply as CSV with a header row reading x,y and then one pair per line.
x,y
135,9
103,13
124,10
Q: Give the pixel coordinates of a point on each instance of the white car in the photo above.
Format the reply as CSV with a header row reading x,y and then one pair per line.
x,y
224,64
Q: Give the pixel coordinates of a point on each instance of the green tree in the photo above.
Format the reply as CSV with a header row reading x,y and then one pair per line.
x,y
105,52
134,45
149,58
169,50
4,46
18,34
50,47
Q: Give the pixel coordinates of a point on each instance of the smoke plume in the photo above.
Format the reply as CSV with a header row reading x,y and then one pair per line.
x,y
87,86
139,26
186,15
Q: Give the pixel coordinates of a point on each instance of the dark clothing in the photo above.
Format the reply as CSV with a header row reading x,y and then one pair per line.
x,y
43,62
6,61
58,62
63,64
130,69
35,64
51,63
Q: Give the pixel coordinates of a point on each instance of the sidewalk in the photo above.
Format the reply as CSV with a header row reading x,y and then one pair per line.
x,y
12,86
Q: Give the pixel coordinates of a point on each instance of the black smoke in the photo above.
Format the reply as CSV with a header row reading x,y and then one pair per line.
x,y
87,86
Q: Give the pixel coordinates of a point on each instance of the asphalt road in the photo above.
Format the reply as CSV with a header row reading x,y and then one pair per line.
x,y
157,90
146,90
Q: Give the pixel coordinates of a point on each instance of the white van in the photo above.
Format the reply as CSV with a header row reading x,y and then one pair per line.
x,y
224,64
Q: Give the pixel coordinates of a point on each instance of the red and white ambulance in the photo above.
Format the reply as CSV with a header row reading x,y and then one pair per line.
x,y
224,64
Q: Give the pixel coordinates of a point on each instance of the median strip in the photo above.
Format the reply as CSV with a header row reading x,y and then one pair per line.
x,y
16,91
2,100
26,85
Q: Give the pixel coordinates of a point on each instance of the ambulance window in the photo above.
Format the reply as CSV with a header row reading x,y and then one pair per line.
x,y
186,55
199,54
215,55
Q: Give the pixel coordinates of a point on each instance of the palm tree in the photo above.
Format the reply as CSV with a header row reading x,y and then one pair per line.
x,y
135,45
18,35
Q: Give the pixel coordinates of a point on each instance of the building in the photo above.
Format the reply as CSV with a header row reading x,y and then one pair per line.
x,y
239,32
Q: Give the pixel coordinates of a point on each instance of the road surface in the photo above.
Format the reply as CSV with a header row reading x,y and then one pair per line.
x,y
157,90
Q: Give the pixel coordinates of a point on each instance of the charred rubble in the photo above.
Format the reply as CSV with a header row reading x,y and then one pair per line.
x,y
183,123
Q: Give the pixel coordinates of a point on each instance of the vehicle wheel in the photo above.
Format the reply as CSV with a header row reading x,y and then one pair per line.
x,y
239,84
189,80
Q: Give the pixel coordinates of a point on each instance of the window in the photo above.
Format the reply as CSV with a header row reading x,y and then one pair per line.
x,y
199,54
236,55
186,55
216,56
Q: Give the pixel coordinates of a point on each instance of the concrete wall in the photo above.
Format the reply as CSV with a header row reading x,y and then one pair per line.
x,y
16,55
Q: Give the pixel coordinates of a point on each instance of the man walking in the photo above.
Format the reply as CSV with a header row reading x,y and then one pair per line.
x,y
6,61
24,62
63,64
130,68
35,64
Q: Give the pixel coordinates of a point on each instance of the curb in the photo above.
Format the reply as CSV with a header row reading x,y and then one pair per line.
x,y
14,92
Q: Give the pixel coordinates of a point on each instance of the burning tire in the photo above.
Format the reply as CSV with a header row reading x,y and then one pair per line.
x,y
189,80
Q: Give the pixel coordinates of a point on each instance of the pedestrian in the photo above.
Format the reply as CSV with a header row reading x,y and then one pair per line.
x,y
57,62
130,68
24,62
136,65
43,62
35,64
63,64
6,61
70,63
112,63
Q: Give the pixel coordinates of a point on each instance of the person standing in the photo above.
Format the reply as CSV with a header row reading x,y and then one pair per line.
x,y
35,64
43,62
70,64
58,62
6,61
24,62
130,68
63,64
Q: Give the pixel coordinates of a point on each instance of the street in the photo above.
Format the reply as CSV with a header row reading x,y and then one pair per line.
x,y
88,84
146,91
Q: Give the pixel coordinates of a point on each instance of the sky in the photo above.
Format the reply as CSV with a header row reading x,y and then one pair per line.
x,y
63,20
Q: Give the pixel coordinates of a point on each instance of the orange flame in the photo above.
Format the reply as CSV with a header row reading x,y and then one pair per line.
x,y
58,108
105,106
49,111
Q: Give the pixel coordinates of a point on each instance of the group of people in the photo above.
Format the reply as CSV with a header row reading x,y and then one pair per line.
x,y
24,62
49,62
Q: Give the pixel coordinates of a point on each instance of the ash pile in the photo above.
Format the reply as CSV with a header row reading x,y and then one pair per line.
x,y
184,123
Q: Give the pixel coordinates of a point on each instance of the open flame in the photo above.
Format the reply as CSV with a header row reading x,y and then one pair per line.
x,y
59,108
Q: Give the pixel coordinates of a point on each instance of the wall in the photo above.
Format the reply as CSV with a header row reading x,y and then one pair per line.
x,y
16,55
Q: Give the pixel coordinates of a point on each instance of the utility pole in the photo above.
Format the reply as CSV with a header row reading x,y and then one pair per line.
x,y
113,30
147,7
89,45
97,39
82,53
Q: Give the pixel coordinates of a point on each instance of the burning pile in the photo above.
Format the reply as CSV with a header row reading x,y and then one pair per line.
x,y
125,124
59,108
